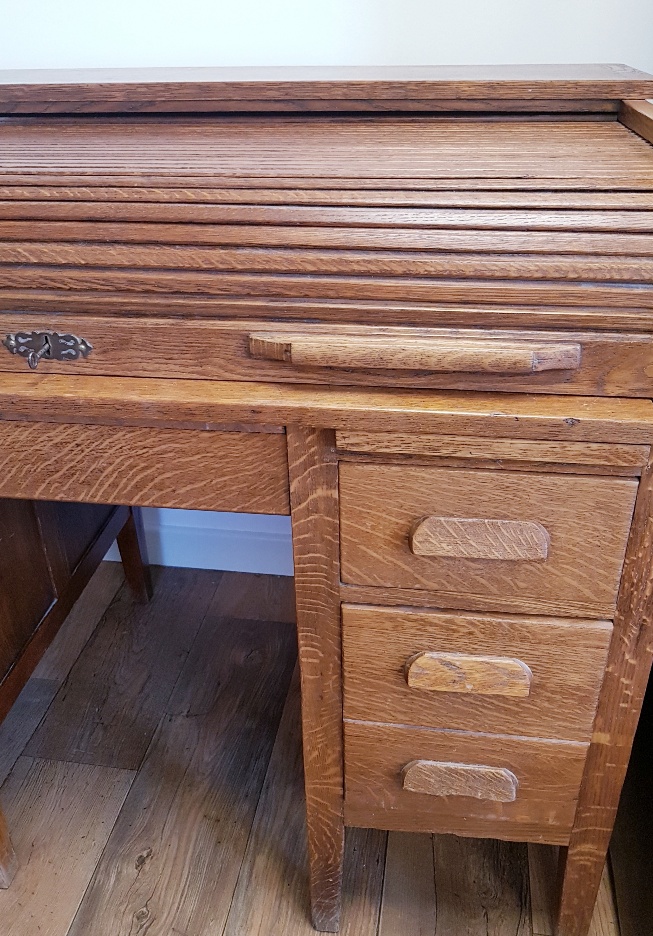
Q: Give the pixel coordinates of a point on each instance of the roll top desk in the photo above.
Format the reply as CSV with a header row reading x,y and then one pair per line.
x,y
412,309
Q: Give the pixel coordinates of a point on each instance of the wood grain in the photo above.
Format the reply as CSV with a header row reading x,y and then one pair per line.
x,y
313,474
438,778
611,364
465,356
622,694
638,117
587,519
543,867
582,456
270,896
8,859
548,772
173,859
107,719
56,809
148,467
294,88
133,553
202,404
462,672
566,660
253,597
473,538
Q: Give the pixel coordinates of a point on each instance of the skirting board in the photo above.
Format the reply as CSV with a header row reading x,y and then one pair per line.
x,y
229,542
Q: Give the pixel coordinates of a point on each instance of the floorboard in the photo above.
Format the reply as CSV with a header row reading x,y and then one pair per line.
x,y
60,816
108,708
171,864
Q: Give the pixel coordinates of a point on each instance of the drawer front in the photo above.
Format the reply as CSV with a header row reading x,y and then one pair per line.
x,y
512,540
204,470
478,359
485,673
429,781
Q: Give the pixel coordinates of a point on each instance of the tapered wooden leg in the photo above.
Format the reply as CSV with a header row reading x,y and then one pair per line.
x,y
133,552
620,704
8,862
314,501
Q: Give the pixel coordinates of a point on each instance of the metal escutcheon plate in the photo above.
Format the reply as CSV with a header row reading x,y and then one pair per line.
x,y
46,346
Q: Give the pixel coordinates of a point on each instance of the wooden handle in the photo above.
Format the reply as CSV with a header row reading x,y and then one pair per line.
x,y
464,538
432,354
441,779
460,672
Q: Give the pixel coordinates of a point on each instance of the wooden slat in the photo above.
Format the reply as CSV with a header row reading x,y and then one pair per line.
x,y
304,286
165,468
386,263
56,809
396,238
314,503
520,198
522,221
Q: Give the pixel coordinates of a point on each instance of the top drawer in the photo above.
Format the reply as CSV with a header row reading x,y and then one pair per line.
x,y
495,540
580,363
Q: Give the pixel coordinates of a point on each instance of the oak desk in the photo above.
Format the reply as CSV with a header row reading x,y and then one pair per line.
x,y
412,308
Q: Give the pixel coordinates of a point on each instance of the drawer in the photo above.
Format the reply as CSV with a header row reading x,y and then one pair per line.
x,y
421,780
485,673
495,540
212,470
599,364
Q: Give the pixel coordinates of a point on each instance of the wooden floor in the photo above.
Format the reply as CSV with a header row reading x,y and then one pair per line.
x,y
151,775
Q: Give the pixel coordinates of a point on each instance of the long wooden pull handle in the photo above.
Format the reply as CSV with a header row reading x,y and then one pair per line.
x,y
461,672
442,779
471,538
438,355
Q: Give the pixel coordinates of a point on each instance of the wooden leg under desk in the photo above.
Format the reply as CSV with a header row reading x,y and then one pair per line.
x,y
133,552
8,863
314,502
620,703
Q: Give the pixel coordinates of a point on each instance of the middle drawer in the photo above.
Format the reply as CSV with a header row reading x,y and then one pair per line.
x,y
483,673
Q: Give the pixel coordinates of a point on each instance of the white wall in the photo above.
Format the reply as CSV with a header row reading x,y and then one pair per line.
x,y
72,33
79,33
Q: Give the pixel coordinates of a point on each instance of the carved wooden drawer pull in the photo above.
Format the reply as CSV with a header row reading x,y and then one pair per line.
x,y
434,354
479,539
459,672
442,779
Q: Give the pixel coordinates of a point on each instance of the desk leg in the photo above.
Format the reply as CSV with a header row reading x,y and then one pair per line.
x,y
8,863
620,703
133,552
314,501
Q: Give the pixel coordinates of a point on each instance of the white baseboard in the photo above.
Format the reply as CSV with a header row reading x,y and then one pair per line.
x,y
231,542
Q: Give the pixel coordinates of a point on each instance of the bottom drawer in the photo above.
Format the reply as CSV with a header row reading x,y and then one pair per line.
x,y
479,785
